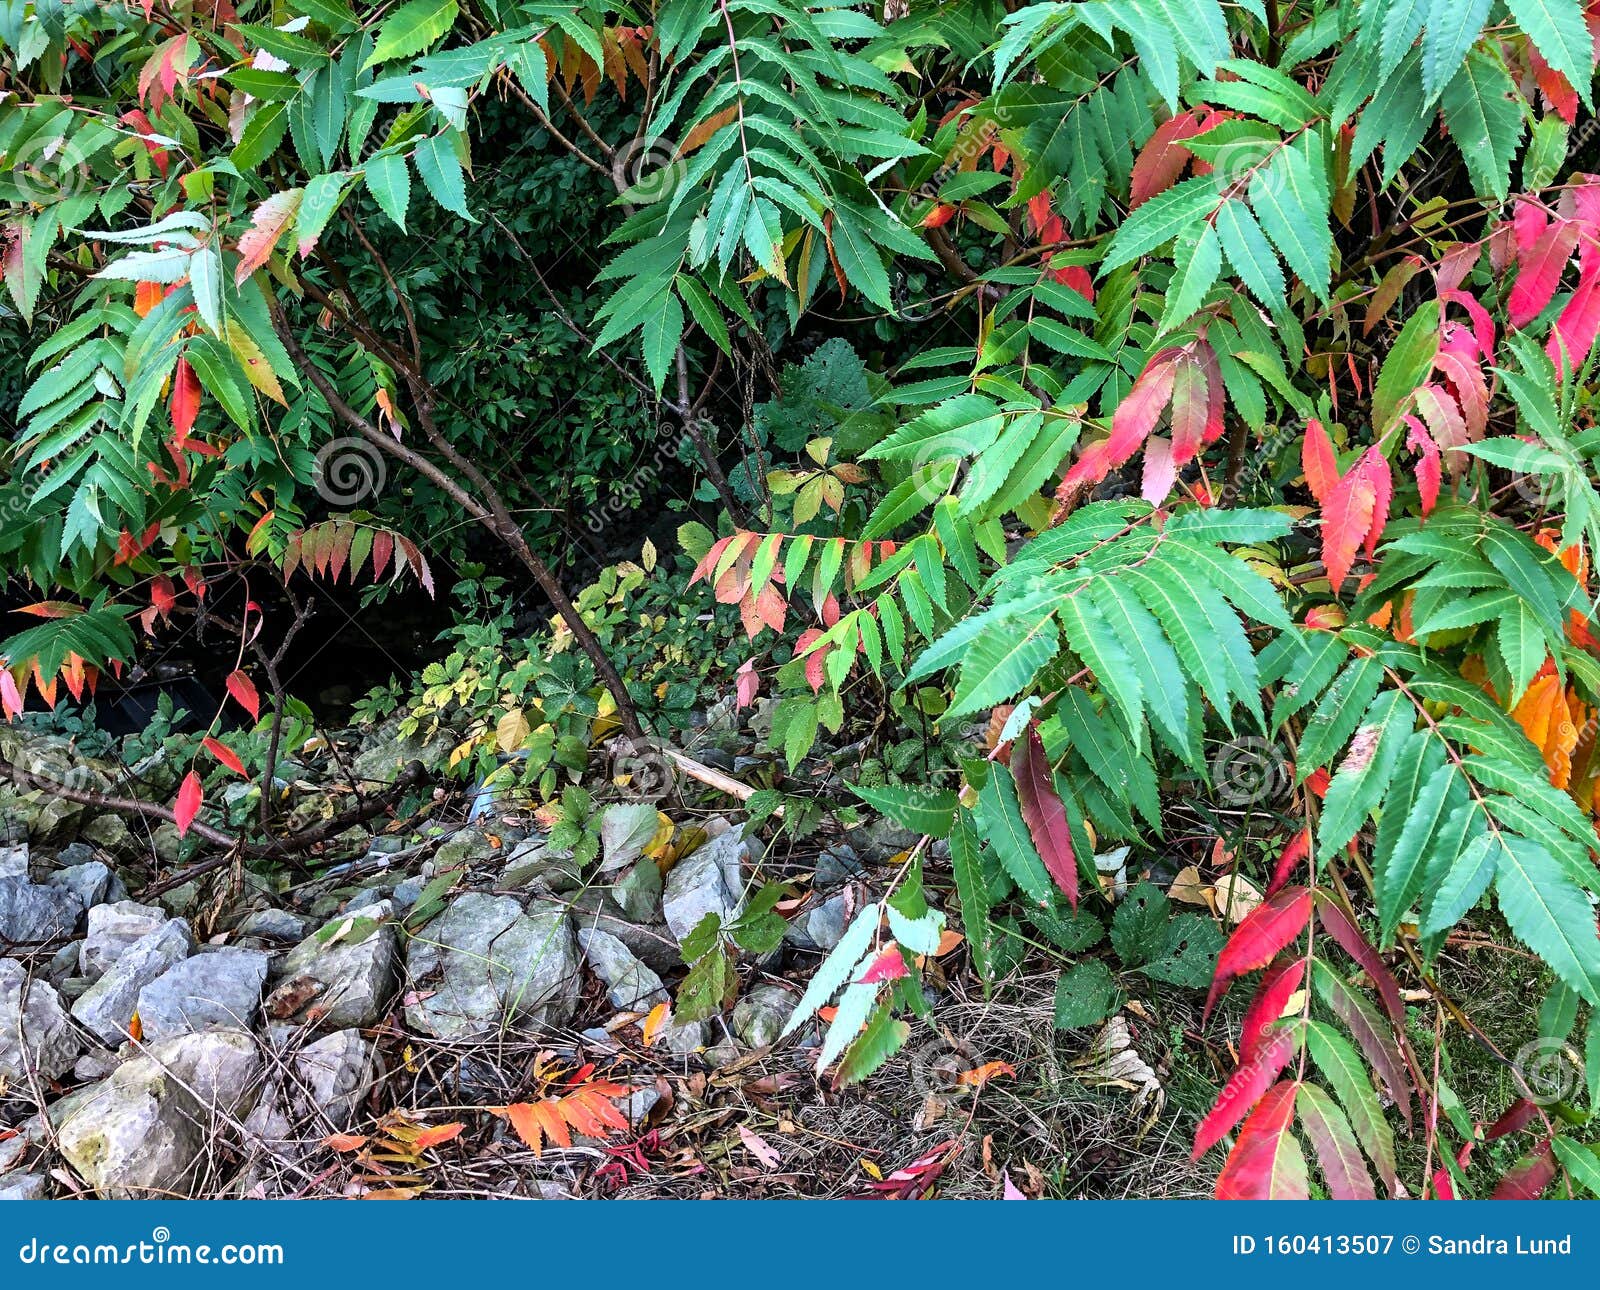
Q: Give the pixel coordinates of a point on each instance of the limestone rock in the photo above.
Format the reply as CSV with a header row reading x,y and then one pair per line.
x,y
32,913
107,1007
629,983
359,974
710,881
761,1015
36,1034
219,990
338,1071
484,962
112,928
151,1128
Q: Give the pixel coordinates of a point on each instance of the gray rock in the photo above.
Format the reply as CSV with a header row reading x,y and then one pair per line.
x,y
93,881
14,861
651,943
408,893
463,848
112,928
629,983
338,1071
30,913
484,963
107,1006
385,752
710,881
881,838
821,927
274,925
684,1037
219,990
12,1150
96,1064
152,1127
535,865
761,1015
63,963
359,976
837,866
36,1034
24,1186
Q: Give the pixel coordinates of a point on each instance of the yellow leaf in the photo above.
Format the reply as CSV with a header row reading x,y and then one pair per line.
x,y
511,731
256,368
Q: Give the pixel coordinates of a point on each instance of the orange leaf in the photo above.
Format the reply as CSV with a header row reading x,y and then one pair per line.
x,y
978,1076
525,1121
345,1142
270,219
437,1135
657,1018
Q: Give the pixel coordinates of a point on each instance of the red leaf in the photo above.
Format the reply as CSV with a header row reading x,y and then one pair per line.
x,y
1346,519
188,804
1261,1018
224,754
243,690
185,402
10,698
1163,157
1266,1162
1575,329
1045,816
1519,1115
1243,1090
1299,847
1527,1179
938,216
888,966
1132,422
1317,459
1428,468
1264,931
1356,946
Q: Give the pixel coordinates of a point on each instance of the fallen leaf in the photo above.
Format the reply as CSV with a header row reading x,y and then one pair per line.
x,y
759,1147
